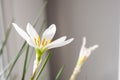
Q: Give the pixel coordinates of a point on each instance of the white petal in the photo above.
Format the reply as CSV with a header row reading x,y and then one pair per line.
x,y
61,44
31,43
83,48
91,49
60,40
49,32
22,33
31,31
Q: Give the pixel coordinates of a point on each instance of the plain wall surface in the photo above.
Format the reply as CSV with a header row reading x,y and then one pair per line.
x,y
98,20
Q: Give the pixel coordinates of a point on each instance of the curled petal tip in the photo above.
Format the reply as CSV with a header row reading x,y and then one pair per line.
x,y
94,47
14,24
72,39
53,25
84,41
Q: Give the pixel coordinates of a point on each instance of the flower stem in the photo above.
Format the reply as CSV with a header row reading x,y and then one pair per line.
x,y
77,68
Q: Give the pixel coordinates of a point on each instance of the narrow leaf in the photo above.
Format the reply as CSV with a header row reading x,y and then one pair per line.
x,y
25,63
6,68
39,15
6,37
16,58
59,73
43,66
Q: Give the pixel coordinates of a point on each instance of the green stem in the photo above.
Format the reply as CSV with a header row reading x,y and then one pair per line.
x,y
15,60
43,66
25,63
6,37
35,67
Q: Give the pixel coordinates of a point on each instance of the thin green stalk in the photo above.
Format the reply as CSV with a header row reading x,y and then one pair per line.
x,y
6,37
25,63
6,68
30,57
42,8
42,26
59,73
43,66
16,58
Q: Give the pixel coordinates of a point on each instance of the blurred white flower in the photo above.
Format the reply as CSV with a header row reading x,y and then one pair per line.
x,y
83,55
85,52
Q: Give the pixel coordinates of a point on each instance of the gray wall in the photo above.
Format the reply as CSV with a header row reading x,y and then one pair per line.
x,y
98,20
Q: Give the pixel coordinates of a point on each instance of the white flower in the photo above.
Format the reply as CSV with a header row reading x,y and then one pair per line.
x,y
83,55
85,52
45,42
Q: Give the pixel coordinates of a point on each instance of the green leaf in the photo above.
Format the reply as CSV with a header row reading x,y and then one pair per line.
x,y
39,15
25,63
6,68
15,59
43,66
43,26
59,73
6,37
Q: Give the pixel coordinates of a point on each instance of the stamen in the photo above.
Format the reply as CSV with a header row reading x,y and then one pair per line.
x,y
43,42
37,41
46,43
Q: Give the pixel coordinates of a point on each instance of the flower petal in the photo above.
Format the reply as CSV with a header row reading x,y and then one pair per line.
x,y
31,43
49,33
60,40
31,31
60,44
22,33
83,48
89,51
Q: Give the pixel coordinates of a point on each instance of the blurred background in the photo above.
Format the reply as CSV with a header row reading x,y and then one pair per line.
x,y
98,20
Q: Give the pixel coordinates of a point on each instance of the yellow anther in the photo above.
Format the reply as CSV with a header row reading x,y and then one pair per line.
x,y
39,38
46,43
37,41
43,42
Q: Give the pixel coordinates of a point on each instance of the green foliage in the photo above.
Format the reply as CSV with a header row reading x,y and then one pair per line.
x,y
43,66
59,73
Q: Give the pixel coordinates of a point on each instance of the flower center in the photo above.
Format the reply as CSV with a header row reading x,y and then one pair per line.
x,y
46,42
37,41
43,43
